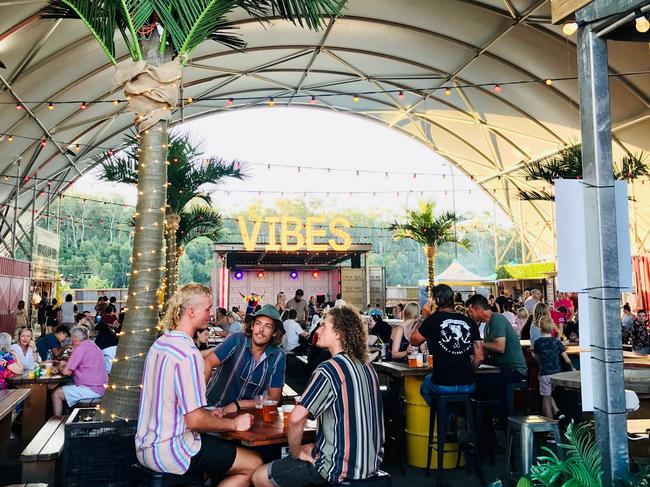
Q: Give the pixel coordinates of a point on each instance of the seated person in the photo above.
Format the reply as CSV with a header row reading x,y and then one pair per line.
x,y
455,344
398,346
380,329
231,325
247,364
343,395
87,368
201,338
173,420
10,364
53,342
292,334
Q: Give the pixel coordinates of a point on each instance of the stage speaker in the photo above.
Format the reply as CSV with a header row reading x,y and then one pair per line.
x,y
231,261
356,261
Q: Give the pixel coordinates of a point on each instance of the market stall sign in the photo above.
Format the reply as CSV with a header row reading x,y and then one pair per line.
x,y
295,235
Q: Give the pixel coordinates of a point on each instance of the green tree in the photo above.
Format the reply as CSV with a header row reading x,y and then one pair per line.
x,y
188,212
430,231
158,59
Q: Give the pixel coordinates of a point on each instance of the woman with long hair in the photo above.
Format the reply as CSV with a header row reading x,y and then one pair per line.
x,y
540,311
401,334
25,348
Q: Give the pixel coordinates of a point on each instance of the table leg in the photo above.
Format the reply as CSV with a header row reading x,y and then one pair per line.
x,y
34,412
5,436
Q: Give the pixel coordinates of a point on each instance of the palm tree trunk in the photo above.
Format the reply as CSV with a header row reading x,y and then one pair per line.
x,y
431,267
122,397
171,277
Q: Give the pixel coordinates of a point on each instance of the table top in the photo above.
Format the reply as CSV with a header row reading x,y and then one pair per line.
x,y
262,434
635,380
10,398
570,349
401,369
18,381
633,360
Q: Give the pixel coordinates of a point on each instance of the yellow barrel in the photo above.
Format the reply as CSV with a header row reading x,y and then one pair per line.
x,y
417,430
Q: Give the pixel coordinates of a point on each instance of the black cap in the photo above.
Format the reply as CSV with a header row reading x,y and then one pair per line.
x,y
300,292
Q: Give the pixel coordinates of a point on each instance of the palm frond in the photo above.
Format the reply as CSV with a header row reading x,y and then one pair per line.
x,y
533,195
566,164
310,13
429,230
119,169
632,167
199,221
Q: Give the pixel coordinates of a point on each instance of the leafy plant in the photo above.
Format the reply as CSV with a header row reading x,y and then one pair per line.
x,y
567,164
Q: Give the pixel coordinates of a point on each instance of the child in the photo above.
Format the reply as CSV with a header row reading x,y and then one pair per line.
x,y
548,351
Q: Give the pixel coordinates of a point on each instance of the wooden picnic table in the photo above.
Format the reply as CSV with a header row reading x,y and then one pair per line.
x,y
263,434
9,399
570,349
34,416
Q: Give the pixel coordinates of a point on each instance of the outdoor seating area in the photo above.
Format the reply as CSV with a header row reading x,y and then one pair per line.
x,y
360,243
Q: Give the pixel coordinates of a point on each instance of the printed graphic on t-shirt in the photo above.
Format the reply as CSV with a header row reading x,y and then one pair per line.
x,y
455,336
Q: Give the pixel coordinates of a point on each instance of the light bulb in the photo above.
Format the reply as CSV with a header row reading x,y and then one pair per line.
x,y
569,28
642,24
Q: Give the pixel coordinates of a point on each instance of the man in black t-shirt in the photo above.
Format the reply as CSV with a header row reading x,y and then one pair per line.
x,y
455,344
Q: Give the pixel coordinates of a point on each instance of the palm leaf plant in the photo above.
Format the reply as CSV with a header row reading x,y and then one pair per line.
x,y
430,231
160,36
567,164
188,211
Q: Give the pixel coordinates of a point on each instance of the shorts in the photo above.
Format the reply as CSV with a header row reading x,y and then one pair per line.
x,y
74,394
291,472
214,458
545,388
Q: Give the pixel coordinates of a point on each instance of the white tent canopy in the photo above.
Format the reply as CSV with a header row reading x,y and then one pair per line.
x,y
457,274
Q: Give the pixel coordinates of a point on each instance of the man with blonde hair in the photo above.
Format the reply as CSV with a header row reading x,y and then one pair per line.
x,y
173,418
343,394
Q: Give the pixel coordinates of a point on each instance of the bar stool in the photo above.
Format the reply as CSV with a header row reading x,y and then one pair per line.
x,y
141,475
482,407
511,388
526,427
439,408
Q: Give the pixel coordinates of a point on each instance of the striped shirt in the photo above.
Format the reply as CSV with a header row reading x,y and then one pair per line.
x,y
343,395
239,376
173,384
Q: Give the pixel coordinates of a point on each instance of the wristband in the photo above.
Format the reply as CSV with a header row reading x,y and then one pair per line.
x,y
237,406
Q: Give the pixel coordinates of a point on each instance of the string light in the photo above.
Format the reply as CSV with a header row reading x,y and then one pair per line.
x,y
401,95
548,82
19,106
447,92
50,106
83,105
271,102
355,98
497,88
229,102
570,28
642,24
312,101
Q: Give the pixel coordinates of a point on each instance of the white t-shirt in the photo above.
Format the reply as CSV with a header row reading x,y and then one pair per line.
x,y
292,331
26,358
67,312
235,327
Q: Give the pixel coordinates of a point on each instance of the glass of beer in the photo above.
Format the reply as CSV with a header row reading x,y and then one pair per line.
x,y
413,361
269,411
418,360
259,403
430,360
287,409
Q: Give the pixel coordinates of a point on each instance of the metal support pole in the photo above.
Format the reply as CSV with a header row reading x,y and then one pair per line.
x,y
496,237
521,234
453,202
602,257
13,230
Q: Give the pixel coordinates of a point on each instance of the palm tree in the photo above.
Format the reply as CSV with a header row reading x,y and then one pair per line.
x,y
429,231
187,173
160,37
567,164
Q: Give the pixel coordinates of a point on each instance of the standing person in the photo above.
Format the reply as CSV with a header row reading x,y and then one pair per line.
x,y
520,321
87,368
639,333
313,310
507,312
502,300
455,344
548,351
41,316
68,310
343,395
292,334
532,301
247,364
502,346
493,304
173,418
628,319
25,348
52,315
541,310
281,302
339,301
301,307
20,316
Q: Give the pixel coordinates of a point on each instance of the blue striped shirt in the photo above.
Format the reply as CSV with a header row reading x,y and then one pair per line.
x,y
343,395
239,376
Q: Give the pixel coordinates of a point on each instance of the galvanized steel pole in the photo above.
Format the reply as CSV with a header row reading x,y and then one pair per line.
x,y
602,257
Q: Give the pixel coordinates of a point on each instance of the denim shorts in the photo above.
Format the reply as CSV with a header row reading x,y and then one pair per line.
x,y
291,472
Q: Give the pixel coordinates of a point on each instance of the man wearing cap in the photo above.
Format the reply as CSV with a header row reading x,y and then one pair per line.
x,y
247,364
301,306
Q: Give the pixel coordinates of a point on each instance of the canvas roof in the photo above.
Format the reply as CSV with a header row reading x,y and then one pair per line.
x,y
457,274
412,45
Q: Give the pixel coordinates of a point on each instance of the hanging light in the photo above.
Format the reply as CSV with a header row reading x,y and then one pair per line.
x,y
50,106
83,105
19,106
313,100
355,98
497,88
239,275
315,274
190,100
570,28
548,82
642,23
271,102
293,275
260,274
401,95
447,92
115,102
229,102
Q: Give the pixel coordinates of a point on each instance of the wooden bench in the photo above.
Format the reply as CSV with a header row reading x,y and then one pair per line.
x,y
9,399
40,457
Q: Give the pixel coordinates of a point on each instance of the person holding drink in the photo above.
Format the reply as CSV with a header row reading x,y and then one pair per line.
x,y
247,364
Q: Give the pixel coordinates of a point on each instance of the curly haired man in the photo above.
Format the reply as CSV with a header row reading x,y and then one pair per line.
x,y
343,394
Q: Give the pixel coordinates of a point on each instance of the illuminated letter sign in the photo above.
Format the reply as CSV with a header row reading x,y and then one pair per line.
x,y
295,236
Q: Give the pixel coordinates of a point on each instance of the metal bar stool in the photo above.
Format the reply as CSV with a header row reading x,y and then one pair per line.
x,y
526,427
439,408
511,389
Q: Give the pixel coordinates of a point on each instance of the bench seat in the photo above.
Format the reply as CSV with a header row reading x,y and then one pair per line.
x,y
39,458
